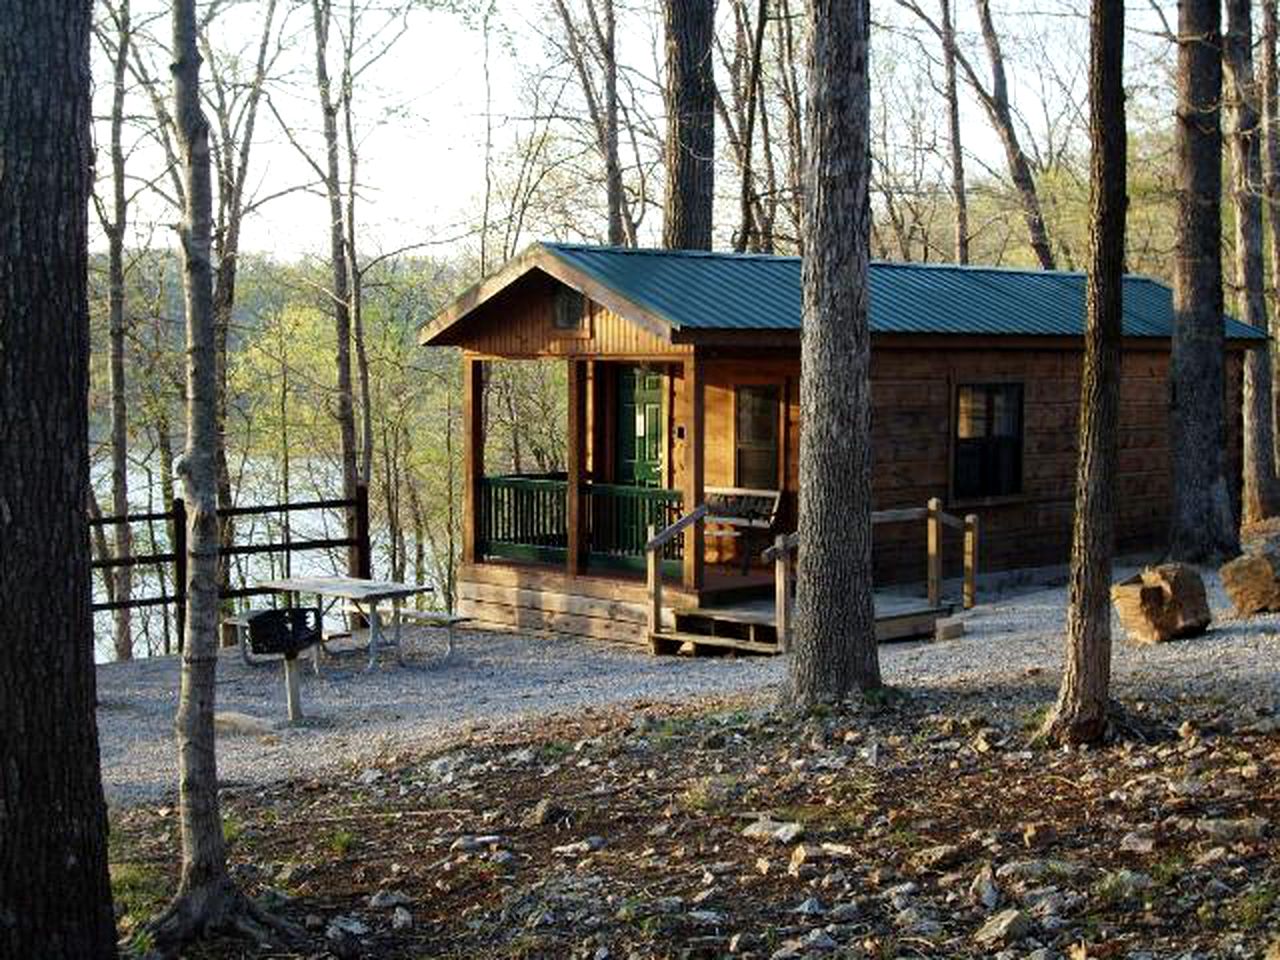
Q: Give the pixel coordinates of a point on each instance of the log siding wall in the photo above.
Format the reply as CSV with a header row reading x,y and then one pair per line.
x,y
913,393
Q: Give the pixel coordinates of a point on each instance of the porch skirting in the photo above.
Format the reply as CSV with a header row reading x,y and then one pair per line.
x,y
545,600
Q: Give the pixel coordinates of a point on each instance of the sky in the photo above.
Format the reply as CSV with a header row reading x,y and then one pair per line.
x,y
422,110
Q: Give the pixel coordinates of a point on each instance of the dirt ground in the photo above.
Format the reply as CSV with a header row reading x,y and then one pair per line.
x,y
923,824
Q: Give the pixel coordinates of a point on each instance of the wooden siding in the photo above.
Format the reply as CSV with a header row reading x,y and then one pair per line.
x,y
517,324
913,394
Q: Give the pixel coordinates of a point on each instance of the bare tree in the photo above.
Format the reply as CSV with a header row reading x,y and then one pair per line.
x,y
1261,495
234,101
959,194
207,900
340,299
599,42
55,897
1080,715
115,37
1270,82
1202,526
835,645
691,101
994,98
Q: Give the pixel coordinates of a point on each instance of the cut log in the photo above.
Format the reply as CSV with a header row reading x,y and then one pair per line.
x,y
1251,582
1162,603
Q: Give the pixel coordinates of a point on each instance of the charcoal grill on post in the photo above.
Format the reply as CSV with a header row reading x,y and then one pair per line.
x,y
287,633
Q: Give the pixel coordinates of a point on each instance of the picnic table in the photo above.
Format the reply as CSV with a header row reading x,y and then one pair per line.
x,y
364,595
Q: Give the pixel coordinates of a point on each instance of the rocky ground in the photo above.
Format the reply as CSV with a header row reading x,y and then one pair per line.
x,y
923,824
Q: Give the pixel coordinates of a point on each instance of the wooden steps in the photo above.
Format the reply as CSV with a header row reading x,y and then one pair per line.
x,y
674,641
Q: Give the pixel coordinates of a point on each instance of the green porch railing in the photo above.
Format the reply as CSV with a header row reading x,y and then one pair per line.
x,y
619,518
525,517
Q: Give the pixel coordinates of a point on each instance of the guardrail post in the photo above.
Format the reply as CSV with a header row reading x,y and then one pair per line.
x,y
653,571
782,592
933,523
970,561
180,569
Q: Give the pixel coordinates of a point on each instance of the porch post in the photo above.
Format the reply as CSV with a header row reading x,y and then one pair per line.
x,y
692,414
472,453
575,463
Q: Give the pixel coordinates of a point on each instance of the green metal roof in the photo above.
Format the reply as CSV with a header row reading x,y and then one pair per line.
x,y
697,290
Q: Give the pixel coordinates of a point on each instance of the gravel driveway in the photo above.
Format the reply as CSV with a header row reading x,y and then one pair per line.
x,y
493,679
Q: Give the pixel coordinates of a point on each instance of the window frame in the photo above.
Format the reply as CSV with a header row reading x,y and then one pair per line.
x,y
988,384
778,391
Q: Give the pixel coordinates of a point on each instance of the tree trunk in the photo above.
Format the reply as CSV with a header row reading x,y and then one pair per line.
x,y
1271,192
959,193
123,575
1202,528
207,900
749,231
341,294
835,643
203,850
1080,715
1261,494
612,168
55,899
691,103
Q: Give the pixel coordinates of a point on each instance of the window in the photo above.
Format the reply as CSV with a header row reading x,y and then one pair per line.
x,y
756,437
988,445
568,310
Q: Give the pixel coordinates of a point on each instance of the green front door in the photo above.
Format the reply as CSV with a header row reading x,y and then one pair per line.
x,y
640,427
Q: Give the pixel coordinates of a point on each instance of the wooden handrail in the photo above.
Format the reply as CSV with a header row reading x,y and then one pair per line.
x,y
935,518
668,534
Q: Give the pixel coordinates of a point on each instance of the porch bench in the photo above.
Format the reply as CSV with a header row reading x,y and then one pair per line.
x,y
743,512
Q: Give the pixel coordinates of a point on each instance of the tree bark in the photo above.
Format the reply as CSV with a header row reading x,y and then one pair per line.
x,y
341,294
959,193
1271,193
1080,715
55,899
691,103
1202,527
835,642
1261,494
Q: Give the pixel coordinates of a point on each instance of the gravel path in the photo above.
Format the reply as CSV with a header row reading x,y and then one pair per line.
x,y
493,679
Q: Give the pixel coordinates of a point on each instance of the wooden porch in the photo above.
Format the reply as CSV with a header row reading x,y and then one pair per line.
x,y
731,612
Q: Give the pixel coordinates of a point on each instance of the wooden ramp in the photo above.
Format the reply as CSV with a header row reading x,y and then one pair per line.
x,y
751,626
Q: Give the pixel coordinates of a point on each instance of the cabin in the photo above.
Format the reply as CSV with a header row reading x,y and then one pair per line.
x,y
683,433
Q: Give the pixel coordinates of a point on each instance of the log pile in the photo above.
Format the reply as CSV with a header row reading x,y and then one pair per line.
x,y
1162,603
1252,583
